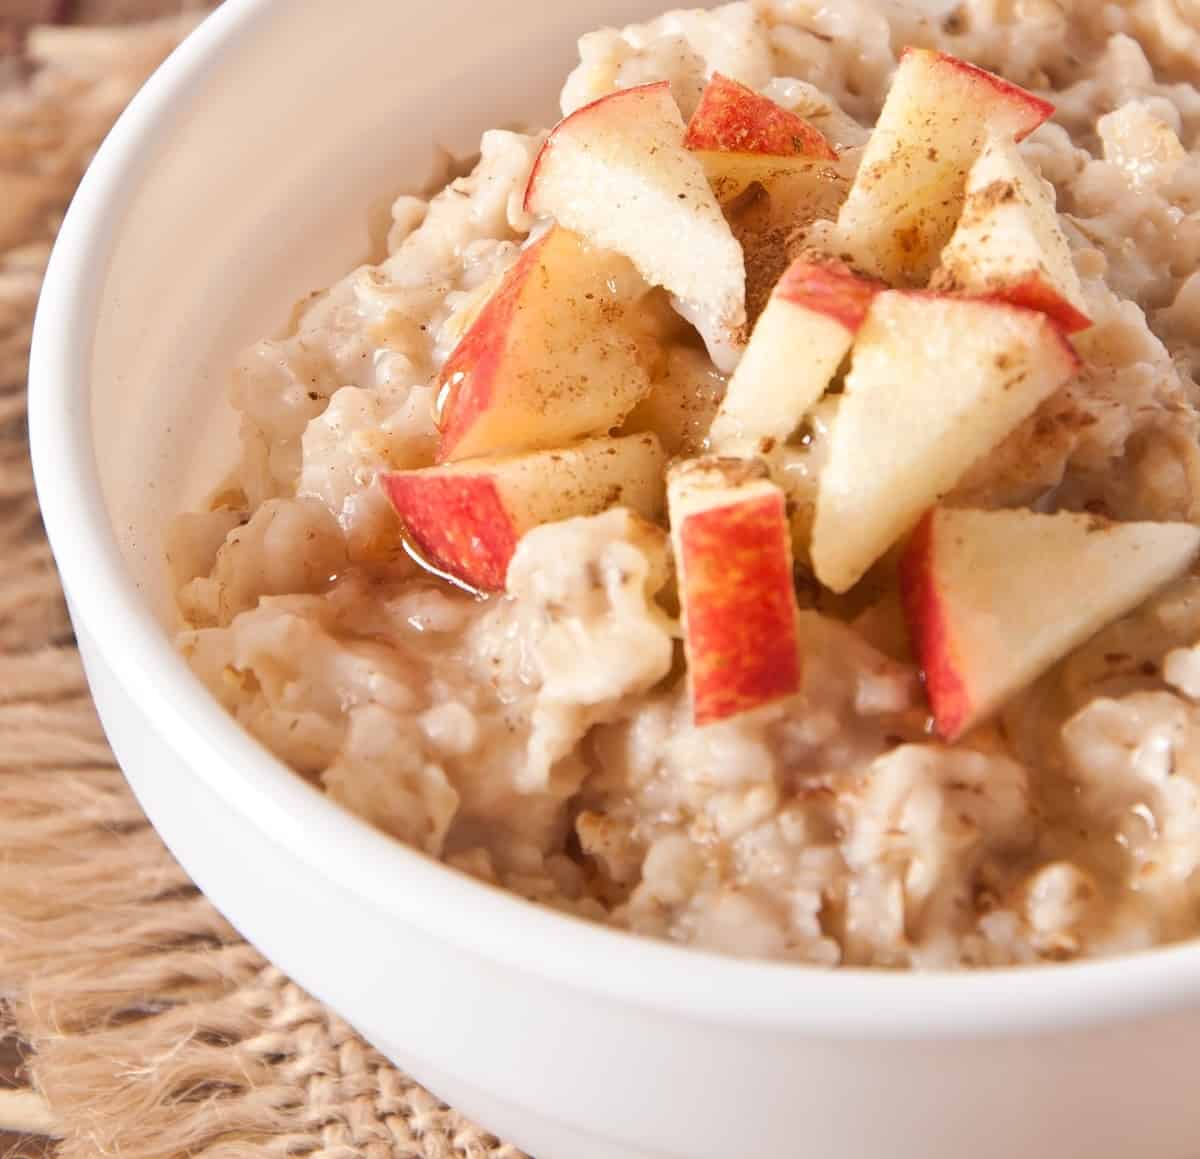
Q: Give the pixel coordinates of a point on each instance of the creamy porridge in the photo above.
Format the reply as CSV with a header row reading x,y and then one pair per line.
x,y
761,512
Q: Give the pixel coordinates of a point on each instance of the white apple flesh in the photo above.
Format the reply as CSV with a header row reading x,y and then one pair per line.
x,y
617,172
906,198
935,383
1008,242
797,346
995,598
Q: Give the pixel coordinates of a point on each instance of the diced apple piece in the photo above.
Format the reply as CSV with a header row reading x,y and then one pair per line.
x,y
903,205
733,554
547,360
936,382
465,519
732,118
994,598
797,346
773,173
1008,243
616,171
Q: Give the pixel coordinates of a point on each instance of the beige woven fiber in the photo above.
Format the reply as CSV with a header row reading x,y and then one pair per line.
x,y
157,1032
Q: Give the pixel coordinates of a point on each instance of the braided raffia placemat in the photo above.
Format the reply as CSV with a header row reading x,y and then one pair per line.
x,y
155,1031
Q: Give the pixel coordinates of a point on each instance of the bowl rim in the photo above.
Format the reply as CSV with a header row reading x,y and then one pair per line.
x,y
449,906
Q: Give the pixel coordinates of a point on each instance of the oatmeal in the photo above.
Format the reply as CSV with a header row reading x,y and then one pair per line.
x,y
761,512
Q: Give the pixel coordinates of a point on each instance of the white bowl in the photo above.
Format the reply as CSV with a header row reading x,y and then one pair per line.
x,y
238,180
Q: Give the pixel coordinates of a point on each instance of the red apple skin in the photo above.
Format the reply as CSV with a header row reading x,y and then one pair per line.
x,y
1039,110
469,377
741,617
582,111
1034,294
930,636
830,288
458,523
732,118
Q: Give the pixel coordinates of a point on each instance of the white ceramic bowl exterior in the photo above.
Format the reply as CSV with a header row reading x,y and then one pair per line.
x,y
239,180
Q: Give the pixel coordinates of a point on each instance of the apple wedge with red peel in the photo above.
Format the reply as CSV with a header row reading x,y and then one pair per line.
x,y
1008,243
741,137
733,555
733,118
995,598
797,346
904,203
935,383
616,172
465,519
773,173
547,359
